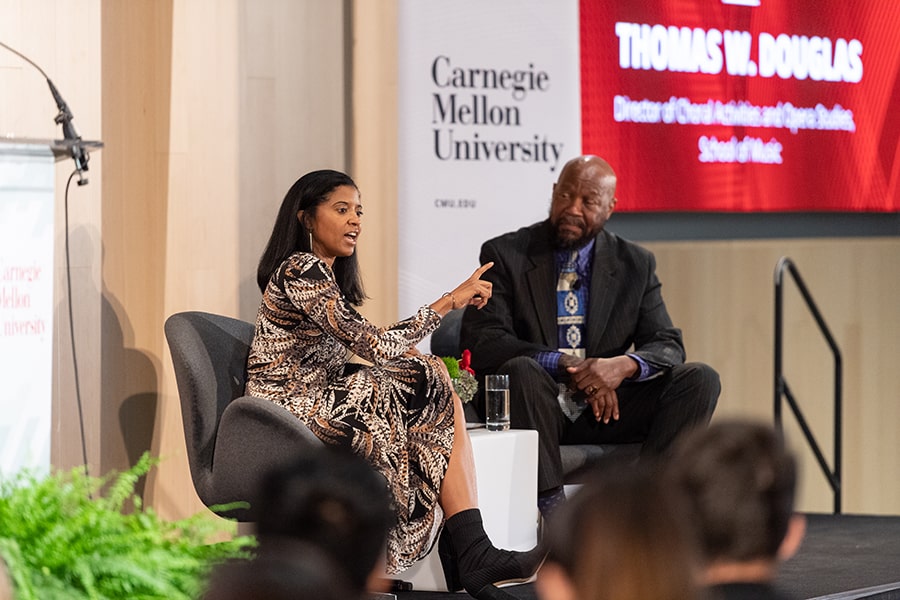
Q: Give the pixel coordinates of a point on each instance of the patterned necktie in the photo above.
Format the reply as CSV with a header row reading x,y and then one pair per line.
x,y
570,317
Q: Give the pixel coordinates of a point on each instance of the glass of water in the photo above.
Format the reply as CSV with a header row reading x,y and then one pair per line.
x,y
496,389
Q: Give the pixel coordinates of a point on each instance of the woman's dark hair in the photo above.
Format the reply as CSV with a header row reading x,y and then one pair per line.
x,y
333,499
640,529
284,571
290,235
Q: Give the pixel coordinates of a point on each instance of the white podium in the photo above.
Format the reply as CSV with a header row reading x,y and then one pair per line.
x,y
506,471
27,233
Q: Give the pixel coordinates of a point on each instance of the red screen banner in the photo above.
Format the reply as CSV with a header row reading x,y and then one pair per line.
x,y
714,105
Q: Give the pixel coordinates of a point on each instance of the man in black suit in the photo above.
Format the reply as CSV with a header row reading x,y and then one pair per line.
x,y
576,319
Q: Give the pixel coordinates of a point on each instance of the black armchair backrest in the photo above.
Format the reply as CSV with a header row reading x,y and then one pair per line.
x,y
445,339
209,355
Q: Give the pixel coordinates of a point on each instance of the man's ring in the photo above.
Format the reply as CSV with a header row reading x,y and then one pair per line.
x,y
590,390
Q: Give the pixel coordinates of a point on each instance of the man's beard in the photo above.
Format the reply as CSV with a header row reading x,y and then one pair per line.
x,y
569,243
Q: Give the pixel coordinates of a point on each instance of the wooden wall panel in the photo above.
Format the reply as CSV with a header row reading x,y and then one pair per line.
x,y
721,295
374,161
137,41
293,118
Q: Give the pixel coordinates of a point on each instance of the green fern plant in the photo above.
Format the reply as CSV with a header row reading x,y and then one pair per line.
x,y
67,536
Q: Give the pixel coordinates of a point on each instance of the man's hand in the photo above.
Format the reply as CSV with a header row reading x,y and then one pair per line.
x,y
599,378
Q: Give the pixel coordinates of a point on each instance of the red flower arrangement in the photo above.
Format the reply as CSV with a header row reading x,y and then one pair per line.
x,y
462,375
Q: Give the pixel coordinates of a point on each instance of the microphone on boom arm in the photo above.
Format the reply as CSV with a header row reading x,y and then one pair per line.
x,y
64,118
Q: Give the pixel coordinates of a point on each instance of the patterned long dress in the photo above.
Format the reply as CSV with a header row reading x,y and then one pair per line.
x,y
397,413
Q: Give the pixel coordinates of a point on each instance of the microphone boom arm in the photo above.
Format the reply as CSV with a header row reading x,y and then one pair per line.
x,y
64,118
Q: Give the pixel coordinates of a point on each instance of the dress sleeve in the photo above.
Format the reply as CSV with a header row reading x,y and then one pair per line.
x,y
310,286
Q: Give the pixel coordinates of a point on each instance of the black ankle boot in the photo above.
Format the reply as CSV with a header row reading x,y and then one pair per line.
x,y
471,562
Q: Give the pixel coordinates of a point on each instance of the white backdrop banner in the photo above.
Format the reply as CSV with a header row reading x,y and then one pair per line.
x,y
489,103
26,307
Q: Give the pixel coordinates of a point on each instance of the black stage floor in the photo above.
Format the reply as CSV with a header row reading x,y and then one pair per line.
x,y
843,557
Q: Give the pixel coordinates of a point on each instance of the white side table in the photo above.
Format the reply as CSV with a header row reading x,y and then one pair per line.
x,y
506,472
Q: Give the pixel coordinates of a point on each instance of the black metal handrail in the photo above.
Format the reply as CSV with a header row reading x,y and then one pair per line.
x,y
782,391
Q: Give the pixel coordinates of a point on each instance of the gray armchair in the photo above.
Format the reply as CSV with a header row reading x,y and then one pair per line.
x,y
576,459
232,439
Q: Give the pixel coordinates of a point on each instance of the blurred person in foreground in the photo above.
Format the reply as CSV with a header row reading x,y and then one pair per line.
x,y
297,570
622,536
739,483
5,582
322,530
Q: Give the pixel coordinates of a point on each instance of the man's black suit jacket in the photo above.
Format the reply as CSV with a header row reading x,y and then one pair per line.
x,y
626,307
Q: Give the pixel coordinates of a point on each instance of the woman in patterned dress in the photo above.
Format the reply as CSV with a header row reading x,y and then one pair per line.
x,y
401,412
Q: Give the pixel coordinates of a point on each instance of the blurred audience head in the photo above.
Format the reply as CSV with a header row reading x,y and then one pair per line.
x,y
289,571
334,500
622,536
739,482
5,583
326,513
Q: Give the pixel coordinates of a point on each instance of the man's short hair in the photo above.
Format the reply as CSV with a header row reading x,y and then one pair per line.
x,y
739,481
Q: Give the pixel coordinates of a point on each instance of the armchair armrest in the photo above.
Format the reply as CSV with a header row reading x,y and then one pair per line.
x,y
254,436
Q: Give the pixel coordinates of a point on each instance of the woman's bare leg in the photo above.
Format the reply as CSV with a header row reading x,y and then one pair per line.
x,y
469,558
459,490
